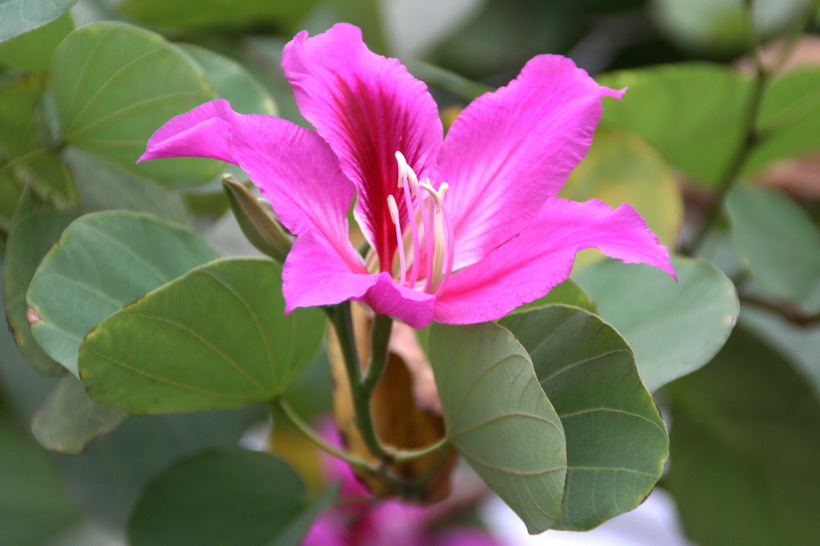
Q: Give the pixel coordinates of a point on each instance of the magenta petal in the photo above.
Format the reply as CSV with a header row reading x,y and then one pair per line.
x,y
294,168
388,298
512,149
367,107
541,256
315,274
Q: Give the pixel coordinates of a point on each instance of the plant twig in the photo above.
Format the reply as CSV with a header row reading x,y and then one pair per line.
x,y
342,320
357,462
788,311
735,165
379,339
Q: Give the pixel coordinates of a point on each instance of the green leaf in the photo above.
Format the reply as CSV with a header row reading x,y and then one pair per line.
x,y
68,421
103,185
232,82
33,501
107,479
704,103
223,497
674,329
212,14
745,438
799,342
19,16
32,232
779,242
32,50
616,440
568,292
30,155
789,119
102,262
621,167
499,419
215,338
116,84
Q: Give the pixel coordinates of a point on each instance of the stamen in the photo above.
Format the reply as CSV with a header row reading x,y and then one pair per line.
x,y
427,220
394,215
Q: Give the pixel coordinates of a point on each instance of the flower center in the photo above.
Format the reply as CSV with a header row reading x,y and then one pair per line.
x,y
425,245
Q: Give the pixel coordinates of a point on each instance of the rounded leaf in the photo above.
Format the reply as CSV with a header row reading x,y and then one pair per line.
x,y
499,419
674,329
102,262
616,440
215,338
115,84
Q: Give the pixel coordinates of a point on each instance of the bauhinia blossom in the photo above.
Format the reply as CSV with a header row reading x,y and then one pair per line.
x,y
461,229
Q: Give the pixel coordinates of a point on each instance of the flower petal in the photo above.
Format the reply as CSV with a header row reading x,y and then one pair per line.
x,y
512,149
541,256
315,274
293,167
367,107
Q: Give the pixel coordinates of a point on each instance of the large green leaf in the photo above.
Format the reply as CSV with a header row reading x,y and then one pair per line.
x,y
32,232
674,329
745,442
115,84
779,242
212,14
800,343
616,440
30,155
19,16
499,419
33,501
789,119
32,50
107,479
621,167
103,185
215,338
102,262
223,497
704,103
68,421
232,82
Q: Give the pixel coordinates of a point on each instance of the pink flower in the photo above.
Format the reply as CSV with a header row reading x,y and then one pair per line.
x,y
463,229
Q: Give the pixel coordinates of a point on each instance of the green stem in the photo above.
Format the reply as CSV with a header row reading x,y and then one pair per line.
x,y
343,323
749,123
752,137
379,341
411,455
313,436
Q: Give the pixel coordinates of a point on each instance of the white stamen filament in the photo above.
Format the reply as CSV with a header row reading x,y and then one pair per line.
x,y
394,215
436,233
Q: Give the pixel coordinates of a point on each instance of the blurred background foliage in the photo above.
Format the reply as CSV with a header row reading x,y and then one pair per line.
x,y
745,430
